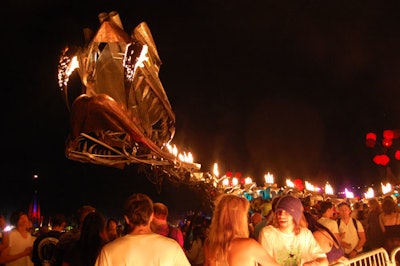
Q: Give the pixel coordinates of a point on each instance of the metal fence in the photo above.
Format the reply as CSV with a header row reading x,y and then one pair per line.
x,y
377,257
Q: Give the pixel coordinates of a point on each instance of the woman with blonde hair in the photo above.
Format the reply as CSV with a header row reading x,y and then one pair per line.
x,y
228,241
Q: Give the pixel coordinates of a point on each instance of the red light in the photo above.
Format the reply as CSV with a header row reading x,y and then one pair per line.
x,y
387,142
381,159
370,143
371,136
388,134
397,155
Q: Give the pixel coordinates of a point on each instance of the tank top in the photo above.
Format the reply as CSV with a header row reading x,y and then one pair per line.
x,y
393,231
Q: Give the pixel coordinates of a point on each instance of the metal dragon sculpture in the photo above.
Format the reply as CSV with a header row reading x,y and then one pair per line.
x,y
120,114
119,111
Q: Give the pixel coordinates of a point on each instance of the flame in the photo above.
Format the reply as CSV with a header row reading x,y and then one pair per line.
x,y
386,188
248,180
183,157
328,189
348,194
269,179
65,68
172,149
136,62
215,170
309,186
143,57
370,193
186,157
74,64
289,183
235,181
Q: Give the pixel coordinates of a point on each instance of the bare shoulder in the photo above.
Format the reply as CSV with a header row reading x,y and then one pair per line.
x,y
317,233
247,251
240,242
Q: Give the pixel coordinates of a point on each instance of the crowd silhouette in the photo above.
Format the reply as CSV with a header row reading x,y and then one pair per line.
x,y
284,230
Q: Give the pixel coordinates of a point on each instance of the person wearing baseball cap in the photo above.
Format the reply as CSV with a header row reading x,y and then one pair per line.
x,y
288,241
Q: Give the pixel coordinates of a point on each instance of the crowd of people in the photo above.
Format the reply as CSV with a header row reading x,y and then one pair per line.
x,y
287,232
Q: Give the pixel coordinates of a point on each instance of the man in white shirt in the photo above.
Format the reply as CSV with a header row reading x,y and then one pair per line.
x,y
19,242
141,246
351,231
327,220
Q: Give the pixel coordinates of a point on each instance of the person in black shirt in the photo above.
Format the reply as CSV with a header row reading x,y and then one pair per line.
x,y
44,247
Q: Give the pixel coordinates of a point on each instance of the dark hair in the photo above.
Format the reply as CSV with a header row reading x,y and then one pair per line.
x,y
275,202
325,205
357,205
111,220
314,225
198,233
138,210
83,211
160,210
14,218
374,205
388,205
91,240
59,219
344,203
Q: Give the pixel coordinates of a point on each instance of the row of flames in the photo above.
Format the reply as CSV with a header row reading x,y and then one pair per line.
x,y
229,182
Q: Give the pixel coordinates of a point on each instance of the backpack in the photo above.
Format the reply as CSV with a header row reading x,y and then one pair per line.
x,y
172,232
354,223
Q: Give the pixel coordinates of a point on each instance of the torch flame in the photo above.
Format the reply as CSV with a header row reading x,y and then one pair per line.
x,y
215,170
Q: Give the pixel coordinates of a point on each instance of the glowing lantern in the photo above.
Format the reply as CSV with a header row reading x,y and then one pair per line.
x,y
387,142
388,134
397,155
381,159
228,174
370,140
385,159
377,159
371,136
298,184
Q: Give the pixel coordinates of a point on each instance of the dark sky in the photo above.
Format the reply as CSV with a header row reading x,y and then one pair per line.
x,y
289,87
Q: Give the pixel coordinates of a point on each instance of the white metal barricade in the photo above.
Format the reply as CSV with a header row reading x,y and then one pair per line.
x,y
377,257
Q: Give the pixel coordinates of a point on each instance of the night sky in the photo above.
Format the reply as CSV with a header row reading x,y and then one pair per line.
x,y
286,87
